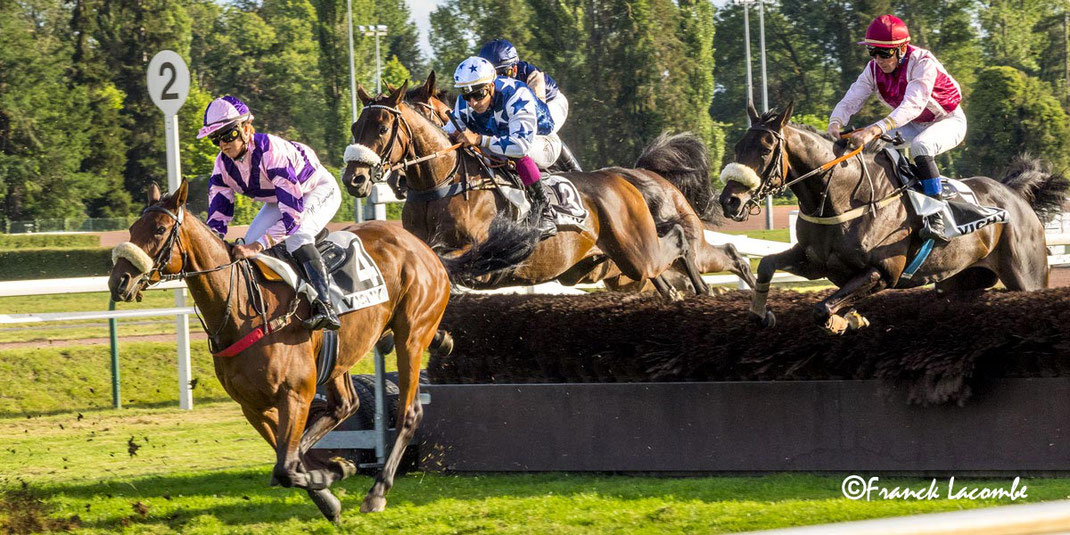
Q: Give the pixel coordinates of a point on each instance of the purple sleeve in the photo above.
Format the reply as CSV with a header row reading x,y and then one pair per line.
x,y
220,201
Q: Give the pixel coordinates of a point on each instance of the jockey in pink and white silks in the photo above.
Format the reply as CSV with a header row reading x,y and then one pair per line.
x,y
502,116
300,196
924,98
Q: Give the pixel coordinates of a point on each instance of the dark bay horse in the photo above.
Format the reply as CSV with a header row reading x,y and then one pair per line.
x,y
623,237
274,379
867,247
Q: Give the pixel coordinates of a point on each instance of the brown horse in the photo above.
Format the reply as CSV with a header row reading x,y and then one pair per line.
x,y
275,378
861,234
623,238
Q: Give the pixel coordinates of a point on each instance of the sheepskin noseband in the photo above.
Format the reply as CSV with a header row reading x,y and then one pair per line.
x,y
361,154
136,255
737,172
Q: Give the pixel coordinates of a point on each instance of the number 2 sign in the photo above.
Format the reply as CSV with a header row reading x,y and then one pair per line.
x,y
168,80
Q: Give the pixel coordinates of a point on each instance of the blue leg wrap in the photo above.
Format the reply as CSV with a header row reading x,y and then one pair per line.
x,y
931,187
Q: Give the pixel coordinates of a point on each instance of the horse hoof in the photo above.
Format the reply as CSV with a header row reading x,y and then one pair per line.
x,y
855,320
675,295
769,321
835,325
373,504
343,467
327,503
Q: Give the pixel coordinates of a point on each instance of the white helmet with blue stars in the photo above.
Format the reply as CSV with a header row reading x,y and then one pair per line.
x,y
473,73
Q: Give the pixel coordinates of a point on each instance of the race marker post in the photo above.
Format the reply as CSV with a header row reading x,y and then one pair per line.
x,y
168,81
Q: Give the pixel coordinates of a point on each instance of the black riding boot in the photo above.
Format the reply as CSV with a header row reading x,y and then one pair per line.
x,y
929,178
567,161
539,194
323,315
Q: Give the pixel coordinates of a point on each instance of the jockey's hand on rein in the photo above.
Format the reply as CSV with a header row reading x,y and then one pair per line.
x,y
246,251
468,137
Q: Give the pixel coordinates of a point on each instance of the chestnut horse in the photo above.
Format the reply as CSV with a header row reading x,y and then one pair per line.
x,y
861,234
623,238
274,379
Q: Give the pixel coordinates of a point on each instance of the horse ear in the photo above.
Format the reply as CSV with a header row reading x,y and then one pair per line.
x,y
428,88
752,113
154,194
180,195
395,96
365,98
390,87
787,114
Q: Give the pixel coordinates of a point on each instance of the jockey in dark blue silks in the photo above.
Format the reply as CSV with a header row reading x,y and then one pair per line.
x,y
503,55
501,116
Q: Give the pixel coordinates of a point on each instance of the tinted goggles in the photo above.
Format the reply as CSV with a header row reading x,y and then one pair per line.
x,y
877,52
477,95
225,136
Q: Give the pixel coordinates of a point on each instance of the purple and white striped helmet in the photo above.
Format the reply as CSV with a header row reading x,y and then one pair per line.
x,y
223,112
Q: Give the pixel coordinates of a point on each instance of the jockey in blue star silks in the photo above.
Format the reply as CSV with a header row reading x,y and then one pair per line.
x,y
506,60
502,116
300,196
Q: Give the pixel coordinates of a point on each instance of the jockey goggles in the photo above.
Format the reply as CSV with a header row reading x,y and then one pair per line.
x,y
878,52
477,94
226,136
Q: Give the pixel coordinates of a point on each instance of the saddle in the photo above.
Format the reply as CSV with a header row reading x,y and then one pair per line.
x,y
355,279
961,211
567,205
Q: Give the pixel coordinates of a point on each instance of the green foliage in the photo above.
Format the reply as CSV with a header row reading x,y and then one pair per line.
x,y
52,263
395,73
38,241
1012,112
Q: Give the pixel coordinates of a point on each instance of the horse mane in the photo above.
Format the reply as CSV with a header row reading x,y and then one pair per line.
x,y
684,160
771,115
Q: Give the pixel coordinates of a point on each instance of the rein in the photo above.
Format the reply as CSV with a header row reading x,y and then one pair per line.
x,y
379,171
765,190
255,292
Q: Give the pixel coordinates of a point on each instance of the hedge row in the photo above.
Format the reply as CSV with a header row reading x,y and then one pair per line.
x,y
54,263
38,241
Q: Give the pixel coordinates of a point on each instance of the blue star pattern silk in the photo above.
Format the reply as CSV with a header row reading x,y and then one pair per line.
x,y
511,122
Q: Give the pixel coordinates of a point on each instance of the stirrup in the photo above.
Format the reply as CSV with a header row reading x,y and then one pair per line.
x,y
927,232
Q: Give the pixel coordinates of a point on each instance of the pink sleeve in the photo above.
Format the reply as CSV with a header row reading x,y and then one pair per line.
x,y
280,163
855,98
919,90
220,201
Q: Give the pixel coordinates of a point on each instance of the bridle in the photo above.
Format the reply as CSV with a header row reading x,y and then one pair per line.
x,y
765,187
256,296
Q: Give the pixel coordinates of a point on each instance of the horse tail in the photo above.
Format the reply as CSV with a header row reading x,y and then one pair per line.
x,y
1033,179
684,160
508,243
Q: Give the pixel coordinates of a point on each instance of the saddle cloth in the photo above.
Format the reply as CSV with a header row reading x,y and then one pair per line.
x,y
566,202
356,281
961,212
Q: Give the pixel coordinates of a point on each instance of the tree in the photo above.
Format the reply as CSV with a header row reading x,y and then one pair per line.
x,y
1012,112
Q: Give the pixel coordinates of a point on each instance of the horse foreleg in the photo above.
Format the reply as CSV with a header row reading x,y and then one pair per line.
x,y
793,260
827,311
292,414
691,268
342,402
410,412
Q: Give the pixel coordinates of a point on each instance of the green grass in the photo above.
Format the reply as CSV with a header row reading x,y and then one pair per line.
x,y
78,377
34,241
206,471
777,234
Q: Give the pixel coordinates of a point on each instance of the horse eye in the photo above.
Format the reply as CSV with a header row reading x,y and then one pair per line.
x,y
160,230
382,129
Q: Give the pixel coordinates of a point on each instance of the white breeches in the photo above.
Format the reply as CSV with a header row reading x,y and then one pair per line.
x,y
320,206
938,137
545,150
558,110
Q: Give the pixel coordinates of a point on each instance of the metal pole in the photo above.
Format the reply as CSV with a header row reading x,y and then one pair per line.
x,y
174,170
765,99
358,211
382,427
746,39
116,400
378,66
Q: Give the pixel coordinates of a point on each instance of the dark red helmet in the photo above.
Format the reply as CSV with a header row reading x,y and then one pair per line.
x,y
886,31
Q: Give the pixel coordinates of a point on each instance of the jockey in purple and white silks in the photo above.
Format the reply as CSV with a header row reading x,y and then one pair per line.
x,y
506,60
502,116
300,196
925,102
